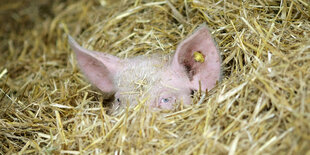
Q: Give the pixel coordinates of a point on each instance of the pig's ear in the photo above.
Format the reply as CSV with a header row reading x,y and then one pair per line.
x,y
199,58
98,67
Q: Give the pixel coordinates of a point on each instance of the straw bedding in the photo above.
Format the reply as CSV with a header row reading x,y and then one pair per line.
x,y
261,106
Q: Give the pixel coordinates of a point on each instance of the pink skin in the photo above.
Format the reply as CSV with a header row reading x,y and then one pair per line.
x,y
168,82
182,89
98,67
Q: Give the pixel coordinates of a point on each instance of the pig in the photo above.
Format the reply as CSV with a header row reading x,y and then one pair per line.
x,y
165,80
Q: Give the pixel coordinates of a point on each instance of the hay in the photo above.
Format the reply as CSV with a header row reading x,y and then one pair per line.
x,y
262,105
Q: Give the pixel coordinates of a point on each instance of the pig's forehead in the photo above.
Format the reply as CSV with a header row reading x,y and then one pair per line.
x,y
140,72
144,66
152,60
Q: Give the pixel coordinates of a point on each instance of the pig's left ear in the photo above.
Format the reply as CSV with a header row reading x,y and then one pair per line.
x,y
99,68
199,58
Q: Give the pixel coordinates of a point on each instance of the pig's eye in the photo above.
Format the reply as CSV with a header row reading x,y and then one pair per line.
x,y
166,100
118,100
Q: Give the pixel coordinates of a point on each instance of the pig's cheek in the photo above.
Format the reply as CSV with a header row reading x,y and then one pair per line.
x,y
167,106
187,100
153,104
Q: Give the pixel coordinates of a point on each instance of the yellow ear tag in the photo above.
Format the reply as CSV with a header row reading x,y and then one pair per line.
x,y
199,57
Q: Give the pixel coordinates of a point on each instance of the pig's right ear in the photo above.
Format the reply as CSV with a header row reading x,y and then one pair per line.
x,y
99,68
199,58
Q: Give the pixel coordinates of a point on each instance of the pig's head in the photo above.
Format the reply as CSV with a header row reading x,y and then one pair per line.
x,y
164,80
